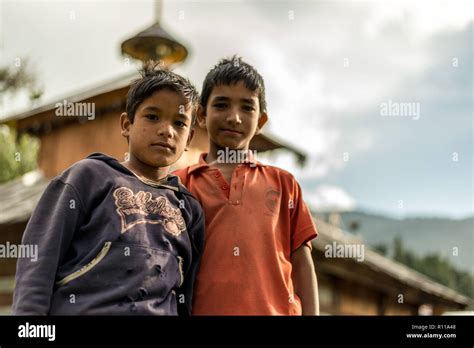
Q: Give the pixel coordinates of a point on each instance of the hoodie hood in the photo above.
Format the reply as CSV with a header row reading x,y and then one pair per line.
x,y
171,182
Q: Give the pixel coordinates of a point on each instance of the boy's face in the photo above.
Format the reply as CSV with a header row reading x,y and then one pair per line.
x,y
160,131
232,116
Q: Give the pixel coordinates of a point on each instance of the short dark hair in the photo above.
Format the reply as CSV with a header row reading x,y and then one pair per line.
x,y
231,71
154,77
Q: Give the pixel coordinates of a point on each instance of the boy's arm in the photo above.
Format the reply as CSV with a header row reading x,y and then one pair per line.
x,y
49,230
196,235
303,274
304,280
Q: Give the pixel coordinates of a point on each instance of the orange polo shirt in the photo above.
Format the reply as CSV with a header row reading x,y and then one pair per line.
x,y
252,226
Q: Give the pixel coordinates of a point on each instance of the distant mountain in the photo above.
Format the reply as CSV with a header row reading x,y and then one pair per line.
x,y
421,235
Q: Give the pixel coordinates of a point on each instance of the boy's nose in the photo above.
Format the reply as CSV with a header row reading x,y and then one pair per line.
x,y
234,117
164,130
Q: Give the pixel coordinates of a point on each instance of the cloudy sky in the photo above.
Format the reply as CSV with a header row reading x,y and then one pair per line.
x,y
338,74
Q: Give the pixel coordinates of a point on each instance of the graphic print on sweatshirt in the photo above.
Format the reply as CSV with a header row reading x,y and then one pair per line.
x,y
142,208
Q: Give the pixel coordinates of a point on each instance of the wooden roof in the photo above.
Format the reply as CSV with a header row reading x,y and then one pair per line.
x,y
19,197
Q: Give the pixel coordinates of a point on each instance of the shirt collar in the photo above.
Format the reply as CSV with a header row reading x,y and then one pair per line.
x,y
251,163
169,182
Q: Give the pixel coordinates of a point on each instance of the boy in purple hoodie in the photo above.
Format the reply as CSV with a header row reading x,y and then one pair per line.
x,y
120,238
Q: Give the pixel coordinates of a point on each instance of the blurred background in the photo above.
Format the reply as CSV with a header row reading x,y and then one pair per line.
x,y
370,107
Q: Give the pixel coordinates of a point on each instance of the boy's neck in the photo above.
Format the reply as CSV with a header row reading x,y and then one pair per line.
x,y
215,156
212,157
143,170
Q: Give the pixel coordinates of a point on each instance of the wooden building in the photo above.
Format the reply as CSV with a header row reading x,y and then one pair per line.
x,y
374,285
346,286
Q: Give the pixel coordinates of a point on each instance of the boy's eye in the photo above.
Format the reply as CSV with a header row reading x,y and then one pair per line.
x,y
220,105
180,124
152,117
248,108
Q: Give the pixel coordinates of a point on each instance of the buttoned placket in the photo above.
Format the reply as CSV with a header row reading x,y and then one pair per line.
x,y
236,185
232,190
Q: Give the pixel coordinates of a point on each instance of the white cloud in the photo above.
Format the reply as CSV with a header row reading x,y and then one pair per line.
x,y
329,198
421,18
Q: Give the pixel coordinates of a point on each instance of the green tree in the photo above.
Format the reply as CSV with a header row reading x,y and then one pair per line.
x,y
18,77
398,251
381,248
435,267
17,152
17,155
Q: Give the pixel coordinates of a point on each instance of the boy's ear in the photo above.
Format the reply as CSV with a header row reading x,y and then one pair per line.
x,y
201,116
125,125
261,122
188,142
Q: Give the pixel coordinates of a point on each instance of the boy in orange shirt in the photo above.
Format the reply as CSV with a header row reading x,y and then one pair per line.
x,y
257,254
